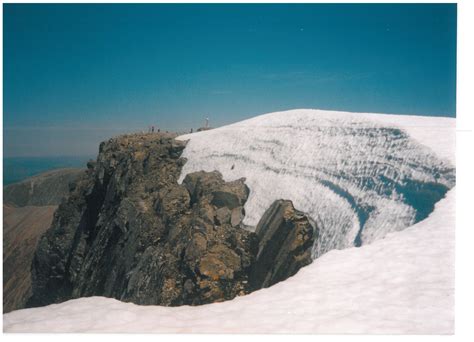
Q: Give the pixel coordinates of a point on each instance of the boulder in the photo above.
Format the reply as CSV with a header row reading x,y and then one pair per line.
x,y
223,215
285,237
237,215
225,199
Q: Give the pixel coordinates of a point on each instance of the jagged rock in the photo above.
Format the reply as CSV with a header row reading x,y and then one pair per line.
x,y
199,183
222,194
219,262
286,237
172,201
131,232
225,199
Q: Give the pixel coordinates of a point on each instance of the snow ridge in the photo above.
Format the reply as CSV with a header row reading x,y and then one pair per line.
x,y
354,174
346,170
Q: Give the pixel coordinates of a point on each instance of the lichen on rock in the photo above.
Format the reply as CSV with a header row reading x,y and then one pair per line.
x,y
129,231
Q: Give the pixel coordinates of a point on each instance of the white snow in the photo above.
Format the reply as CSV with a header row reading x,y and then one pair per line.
x,y
397,282
402,284
304,155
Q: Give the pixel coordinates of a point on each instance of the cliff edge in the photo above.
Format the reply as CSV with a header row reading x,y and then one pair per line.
x,y
129,231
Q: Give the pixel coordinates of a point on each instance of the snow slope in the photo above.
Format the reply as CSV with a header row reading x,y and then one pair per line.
x,y
349,171
402,284
337,167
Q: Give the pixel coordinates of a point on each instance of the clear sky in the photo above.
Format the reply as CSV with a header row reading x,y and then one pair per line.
x,y
77,74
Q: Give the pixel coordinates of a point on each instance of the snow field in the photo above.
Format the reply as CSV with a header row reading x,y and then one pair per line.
x,y
402,284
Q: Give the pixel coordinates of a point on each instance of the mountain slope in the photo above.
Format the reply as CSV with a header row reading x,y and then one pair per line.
x,y
129,231
403,284
47,188
27,213
359,176
22,227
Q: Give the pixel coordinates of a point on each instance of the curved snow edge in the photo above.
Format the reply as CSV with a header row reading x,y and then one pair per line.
x,y
402,284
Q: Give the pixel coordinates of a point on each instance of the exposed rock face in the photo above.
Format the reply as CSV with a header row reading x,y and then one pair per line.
x,y
202,258
285,239
130,231
47,188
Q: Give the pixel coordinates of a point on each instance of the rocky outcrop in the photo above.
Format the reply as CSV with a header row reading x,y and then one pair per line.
x,y
285,238
202,258
129,231
47,188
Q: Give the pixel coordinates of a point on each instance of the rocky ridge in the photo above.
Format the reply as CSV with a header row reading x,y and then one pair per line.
x,y
129,231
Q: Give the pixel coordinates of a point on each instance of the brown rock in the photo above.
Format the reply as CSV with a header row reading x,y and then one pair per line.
x,y
220,263
131,232
223,215
236,216
286,237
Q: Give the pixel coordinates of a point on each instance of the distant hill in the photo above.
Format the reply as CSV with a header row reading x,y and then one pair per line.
x,y
22,228
47,188
28,211
17,169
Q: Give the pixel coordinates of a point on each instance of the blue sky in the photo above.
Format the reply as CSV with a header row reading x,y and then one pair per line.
x,y
77,74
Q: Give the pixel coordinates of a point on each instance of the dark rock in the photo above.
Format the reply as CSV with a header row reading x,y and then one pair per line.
x,y
172,201
286,237
176,148
131,232
222,194
91,164
225,199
